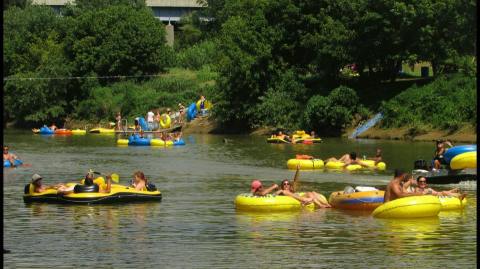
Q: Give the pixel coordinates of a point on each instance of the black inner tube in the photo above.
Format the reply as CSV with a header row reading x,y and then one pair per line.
x,y
84,188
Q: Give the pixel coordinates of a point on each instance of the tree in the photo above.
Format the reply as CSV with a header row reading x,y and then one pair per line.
x,y
118,41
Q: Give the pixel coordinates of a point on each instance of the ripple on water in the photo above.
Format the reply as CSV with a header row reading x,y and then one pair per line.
x,y
196,224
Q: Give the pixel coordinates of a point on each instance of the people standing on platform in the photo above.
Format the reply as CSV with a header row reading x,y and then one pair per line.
x,y
150,116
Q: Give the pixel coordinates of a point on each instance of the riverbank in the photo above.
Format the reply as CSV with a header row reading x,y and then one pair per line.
x,y
206,125
466,134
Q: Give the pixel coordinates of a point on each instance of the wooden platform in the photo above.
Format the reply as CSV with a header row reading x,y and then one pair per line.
x,y
168,130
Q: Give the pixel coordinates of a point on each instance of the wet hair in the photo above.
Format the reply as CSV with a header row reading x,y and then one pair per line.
x,y
406,176
88,179
283,181
141,175
398,172
419,177
353,155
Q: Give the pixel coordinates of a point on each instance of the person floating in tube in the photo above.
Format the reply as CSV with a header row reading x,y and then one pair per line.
x,y
423,188
288,189
7,156
378,156
283,136
90,183
347,159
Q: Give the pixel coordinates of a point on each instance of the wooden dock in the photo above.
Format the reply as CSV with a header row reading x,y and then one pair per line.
x,y
167,130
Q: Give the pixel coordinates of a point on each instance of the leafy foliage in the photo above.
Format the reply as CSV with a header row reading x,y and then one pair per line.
x,y
261,62
446,103
332,113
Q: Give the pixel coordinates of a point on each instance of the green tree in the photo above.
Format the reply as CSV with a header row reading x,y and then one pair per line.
x,y
448,30
22,28
118,41
332,113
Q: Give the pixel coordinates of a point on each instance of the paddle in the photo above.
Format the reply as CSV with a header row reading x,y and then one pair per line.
x,y
115,176
295,178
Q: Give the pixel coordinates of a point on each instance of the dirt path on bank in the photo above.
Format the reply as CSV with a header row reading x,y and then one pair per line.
x,y
199,125
464,135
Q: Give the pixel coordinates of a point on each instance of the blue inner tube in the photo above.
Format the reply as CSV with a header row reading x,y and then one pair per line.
x,y
46,130
454,151
143,124
17,162
191,111
179,143
136,140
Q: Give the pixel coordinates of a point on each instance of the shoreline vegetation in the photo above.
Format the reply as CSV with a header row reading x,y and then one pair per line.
x,y
329,75
206,125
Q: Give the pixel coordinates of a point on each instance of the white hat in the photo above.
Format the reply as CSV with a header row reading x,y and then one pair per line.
x,y
36,177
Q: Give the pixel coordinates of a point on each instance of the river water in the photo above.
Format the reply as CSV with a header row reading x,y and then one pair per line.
x,y
196,224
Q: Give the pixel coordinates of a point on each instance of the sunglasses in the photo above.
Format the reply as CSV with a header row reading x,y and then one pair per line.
x,y
422,181
286,183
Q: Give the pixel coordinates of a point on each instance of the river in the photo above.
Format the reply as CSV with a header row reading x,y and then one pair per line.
x,y
196,224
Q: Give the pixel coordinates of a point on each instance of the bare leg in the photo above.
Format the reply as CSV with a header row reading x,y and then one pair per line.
x,y
304,200
321,199
318,199
332,159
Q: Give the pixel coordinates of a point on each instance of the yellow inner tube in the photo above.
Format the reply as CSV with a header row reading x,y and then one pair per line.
x,y
270,202
452,203
165,121
207,105
102,130
381,166
305,164
464,160
79,132
123,142
159,142
364,200
409,207
276,140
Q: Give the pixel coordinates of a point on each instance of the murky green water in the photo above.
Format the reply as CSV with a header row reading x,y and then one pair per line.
x,y
196,225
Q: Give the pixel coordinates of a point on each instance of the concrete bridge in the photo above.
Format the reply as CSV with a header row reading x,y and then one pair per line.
x,y
165,10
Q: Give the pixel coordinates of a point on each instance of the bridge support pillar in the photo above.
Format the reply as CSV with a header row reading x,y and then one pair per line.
x,y
170,34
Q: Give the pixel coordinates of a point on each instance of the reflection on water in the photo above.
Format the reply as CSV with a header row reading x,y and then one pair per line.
x,y
196,224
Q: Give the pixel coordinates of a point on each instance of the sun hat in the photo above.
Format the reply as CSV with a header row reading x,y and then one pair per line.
x,y
255,185
36,177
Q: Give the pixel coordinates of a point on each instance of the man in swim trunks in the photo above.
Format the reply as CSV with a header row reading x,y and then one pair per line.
x,y
7,156
394,188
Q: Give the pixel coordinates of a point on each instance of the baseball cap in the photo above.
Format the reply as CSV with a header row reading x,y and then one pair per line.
x,y
255,185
